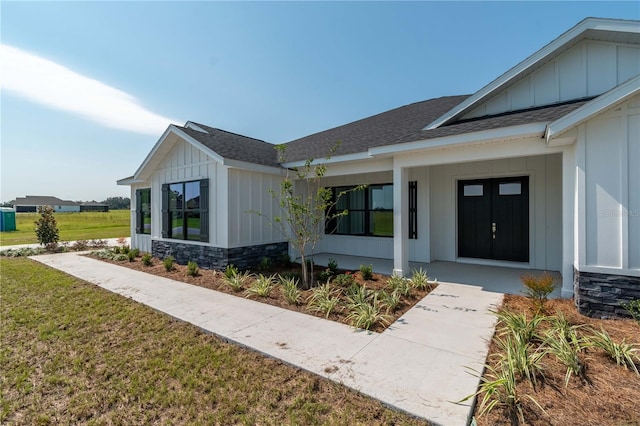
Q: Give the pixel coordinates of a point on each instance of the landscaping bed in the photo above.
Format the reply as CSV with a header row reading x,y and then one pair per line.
x,y
602,393
373,303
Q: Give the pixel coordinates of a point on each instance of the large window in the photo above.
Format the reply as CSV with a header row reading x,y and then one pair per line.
x,y
370,211
185,210
143,211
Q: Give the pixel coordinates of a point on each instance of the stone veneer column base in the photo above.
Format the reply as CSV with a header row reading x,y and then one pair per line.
x,y
600,295
209,257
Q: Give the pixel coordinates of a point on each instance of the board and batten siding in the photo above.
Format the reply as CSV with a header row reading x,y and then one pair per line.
x,y
249,193
184,163
608,156
545,204
589,68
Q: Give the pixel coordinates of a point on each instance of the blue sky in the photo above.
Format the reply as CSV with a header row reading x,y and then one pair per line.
x,y
87,88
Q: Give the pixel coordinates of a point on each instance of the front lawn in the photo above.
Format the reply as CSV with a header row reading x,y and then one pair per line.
x,y
73,353
72,226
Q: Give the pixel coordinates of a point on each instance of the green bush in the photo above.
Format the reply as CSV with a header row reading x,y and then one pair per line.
x,y
47,227
633,308
538,288
265,264
147,259
236,280
332,265
290,290
121,257
323,299
344,280
80,245
230,271
324,276
168,263
136,252
366,271
261,287
131,256
420,279
192,269
400,285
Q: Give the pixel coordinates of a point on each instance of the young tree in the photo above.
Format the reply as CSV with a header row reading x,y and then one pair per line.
x,y
46,226
305,205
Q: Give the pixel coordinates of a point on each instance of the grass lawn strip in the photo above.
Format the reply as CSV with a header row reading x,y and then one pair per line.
x,y
72,226
73,353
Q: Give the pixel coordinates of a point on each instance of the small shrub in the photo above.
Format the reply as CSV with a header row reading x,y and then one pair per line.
x,y
147,259
366,271
366,315
131,256
261,286
52,247
22,252
538,288
285,260
420,279
192,269
567,353
265,264
344,280
624,354
104,254
168,263
236,280
292,274
518,325
389,300
97,243
80,245
400,285
290,290
230,271
121,257
124,249
46,227
136,252
523,358
357,295
324,276
332,265
633,308
323,299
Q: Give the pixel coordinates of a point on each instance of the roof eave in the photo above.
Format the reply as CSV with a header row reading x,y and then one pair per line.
x,y
464,139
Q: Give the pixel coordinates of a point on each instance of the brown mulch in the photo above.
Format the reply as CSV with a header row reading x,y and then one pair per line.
x,y
609,394
213,280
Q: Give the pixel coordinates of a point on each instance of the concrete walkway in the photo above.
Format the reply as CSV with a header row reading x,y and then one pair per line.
x,y
418,365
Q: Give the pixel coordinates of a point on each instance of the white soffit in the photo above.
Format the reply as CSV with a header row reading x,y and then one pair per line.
x,y
588,27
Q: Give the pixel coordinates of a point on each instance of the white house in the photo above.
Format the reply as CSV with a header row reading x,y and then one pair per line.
x,y
538,169
31,204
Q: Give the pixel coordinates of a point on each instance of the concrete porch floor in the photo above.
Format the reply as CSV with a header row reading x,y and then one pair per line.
x,y
498,279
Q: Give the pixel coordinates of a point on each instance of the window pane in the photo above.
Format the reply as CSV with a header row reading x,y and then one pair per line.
x,y
145,213
352,224
473,190
176,196
193,225
176,219
514,188
356,200
192,195
343,201
381,222
381,197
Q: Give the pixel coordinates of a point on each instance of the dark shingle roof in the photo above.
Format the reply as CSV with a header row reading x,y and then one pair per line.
x,y
235,147
533,115
42,200
378,130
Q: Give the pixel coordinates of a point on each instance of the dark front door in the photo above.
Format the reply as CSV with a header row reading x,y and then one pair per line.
x,y
493,218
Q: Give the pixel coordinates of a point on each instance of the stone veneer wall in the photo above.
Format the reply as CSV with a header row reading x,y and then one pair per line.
x,y
209,257
600,295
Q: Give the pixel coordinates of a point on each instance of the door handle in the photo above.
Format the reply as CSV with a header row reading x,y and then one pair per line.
x,y
493,230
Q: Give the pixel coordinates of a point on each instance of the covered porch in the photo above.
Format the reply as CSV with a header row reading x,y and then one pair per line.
x,y
491,278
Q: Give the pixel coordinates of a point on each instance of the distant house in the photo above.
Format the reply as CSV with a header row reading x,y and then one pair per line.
x,y
31,203
539,169
93,207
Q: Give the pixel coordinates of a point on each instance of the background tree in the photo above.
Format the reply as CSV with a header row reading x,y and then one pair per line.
x,y
305,205
46,226
117,203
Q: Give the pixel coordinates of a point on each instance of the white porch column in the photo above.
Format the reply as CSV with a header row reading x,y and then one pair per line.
x,y
569,219
400,220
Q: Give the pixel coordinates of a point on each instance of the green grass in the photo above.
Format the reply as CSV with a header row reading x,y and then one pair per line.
x,y
73,353
72,226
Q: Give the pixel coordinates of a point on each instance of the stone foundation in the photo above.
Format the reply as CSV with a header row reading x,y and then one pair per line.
x,y
208,257
600,295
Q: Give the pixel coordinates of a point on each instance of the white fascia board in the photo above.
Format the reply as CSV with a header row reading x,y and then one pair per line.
x,y
237,164
614,96
172,129
564,39
128,181
522,131
194,126
337,159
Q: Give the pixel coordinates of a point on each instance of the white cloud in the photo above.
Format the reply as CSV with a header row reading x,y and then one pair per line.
x,y
51,84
